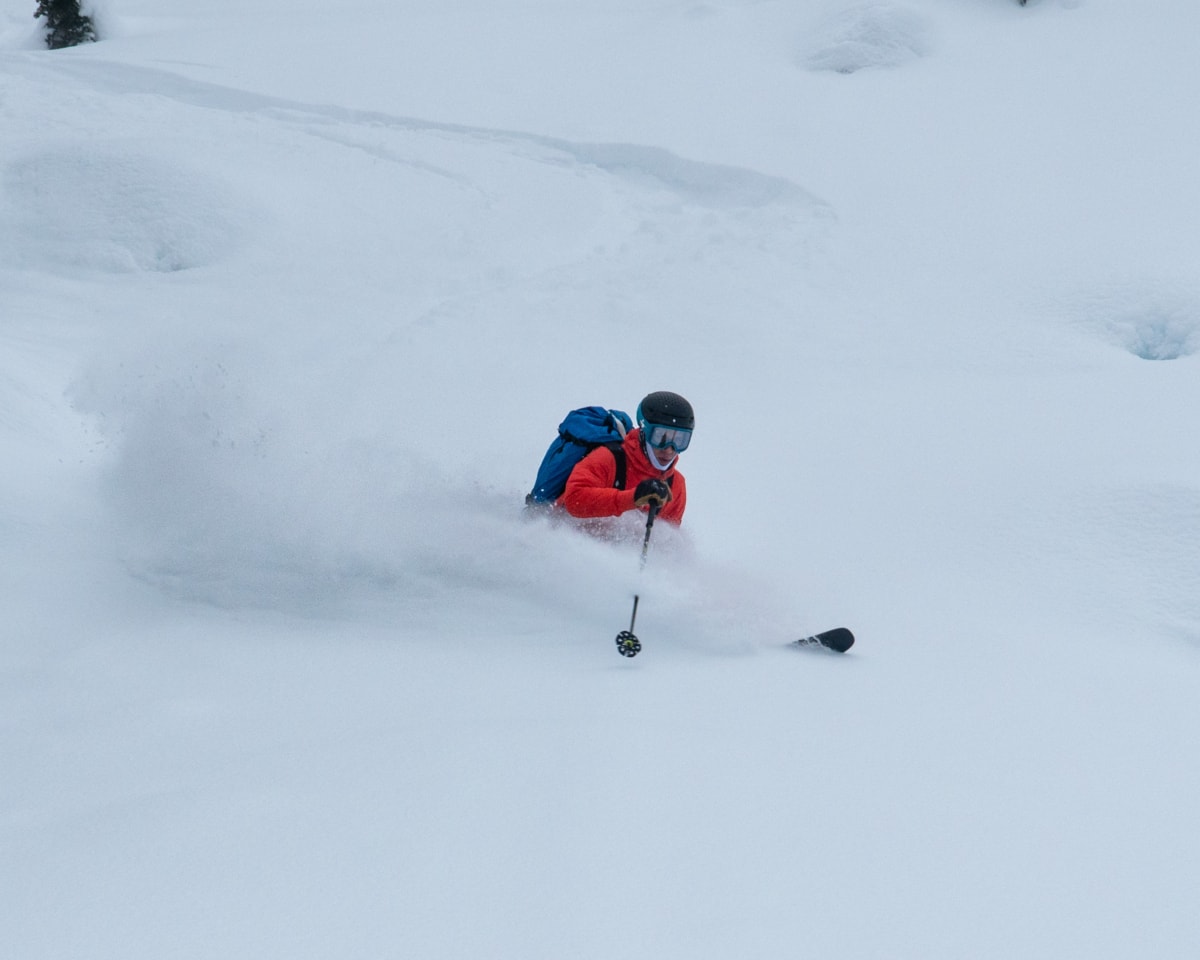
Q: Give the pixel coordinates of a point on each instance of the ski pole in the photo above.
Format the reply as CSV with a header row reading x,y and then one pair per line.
x,y
628,645
649,524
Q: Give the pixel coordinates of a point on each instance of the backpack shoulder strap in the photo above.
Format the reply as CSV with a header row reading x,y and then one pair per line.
x,y
618,453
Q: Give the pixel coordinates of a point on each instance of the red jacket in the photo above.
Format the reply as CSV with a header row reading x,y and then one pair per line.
x,y
590,492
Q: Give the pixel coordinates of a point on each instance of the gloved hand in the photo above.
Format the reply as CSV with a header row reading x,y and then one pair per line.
x,y
651,491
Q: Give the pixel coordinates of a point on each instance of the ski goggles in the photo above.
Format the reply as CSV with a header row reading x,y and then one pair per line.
x,y
660,437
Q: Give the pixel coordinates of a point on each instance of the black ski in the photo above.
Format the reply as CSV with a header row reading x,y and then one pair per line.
x,y
838,639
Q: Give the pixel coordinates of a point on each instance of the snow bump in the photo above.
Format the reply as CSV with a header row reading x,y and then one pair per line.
x,y
867,35
112,210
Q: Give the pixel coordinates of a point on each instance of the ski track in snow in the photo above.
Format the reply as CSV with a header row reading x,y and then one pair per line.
x,y
707,185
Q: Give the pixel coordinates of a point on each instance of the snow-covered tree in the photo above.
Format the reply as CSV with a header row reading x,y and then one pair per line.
x,y
66,24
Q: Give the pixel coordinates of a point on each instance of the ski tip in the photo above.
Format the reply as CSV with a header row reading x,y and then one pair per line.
x,y
838,640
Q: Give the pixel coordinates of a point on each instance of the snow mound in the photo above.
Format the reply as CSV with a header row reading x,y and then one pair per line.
x,y
867,35
113,209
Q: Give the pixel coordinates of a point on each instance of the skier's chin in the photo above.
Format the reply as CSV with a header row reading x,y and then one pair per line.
x,y
660,461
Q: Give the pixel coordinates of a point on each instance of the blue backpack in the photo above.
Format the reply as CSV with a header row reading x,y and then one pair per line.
x,y
579,434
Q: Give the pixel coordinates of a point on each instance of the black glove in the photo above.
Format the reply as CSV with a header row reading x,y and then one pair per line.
x,y
651,491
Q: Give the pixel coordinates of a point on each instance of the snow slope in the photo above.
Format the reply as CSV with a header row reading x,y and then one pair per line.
x,y
289,308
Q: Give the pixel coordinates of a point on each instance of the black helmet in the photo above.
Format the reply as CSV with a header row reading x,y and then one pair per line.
x,y
668,409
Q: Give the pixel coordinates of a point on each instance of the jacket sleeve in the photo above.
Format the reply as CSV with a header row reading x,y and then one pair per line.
x,y
589,491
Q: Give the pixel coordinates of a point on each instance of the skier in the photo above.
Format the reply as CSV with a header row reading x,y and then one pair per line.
x,y
664,429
